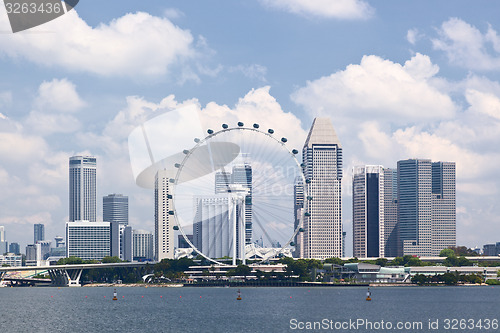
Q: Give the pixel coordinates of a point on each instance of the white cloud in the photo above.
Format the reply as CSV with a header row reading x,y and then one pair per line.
x,y
379,89
173,13
413,36
466,46
340,9
257,106
133,45
5,100
485,103
421,144
58,95
48,123
54,105
254,71
19,147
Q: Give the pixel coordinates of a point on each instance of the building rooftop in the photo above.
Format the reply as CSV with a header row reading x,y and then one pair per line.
x,y
322,132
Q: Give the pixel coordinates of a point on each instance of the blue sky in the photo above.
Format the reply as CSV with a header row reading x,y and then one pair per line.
x,y
399,79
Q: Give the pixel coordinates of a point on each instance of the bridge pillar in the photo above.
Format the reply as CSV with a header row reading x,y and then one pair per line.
x,y
65,278
73,277
58,278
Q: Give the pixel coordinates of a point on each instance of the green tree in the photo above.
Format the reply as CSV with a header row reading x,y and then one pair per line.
x,y
457,262
447,253
243,270
492,282
449,278
419,279
335,261
111,260
381,262
70,261
414,261
463,251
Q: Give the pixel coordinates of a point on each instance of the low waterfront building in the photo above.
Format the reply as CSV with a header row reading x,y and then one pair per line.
x,y
366,273
11,260
485,272
219,271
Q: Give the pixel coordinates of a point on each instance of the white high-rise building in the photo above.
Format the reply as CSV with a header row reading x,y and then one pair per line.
x,y
88,240
368,211
164,221
82,188
444,217
3,242
143,245
322,164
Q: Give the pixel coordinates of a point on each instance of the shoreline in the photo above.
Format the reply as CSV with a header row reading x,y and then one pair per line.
x,y
276,285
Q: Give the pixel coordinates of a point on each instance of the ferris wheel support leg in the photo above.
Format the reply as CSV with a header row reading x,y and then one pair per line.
x,y
242,233
233,212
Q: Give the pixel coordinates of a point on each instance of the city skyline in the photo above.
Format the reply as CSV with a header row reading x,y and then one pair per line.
x,y
395,85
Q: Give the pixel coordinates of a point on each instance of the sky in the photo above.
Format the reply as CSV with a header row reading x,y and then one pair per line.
x,y
399,79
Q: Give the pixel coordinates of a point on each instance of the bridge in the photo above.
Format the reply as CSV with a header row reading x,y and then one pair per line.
x,y
67,275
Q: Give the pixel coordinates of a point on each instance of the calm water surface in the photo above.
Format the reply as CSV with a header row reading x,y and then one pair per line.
x,y
261,310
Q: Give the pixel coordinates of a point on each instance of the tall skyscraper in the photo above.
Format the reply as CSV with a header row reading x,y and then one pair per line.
x,y
39,233
115,208
82,188
426,206
444,223
391,230
368,211
164,222
415,206
322,166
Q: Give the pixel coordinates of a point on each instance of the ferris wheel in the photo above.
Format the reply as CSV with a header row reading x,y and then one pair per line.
x,y
235,195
